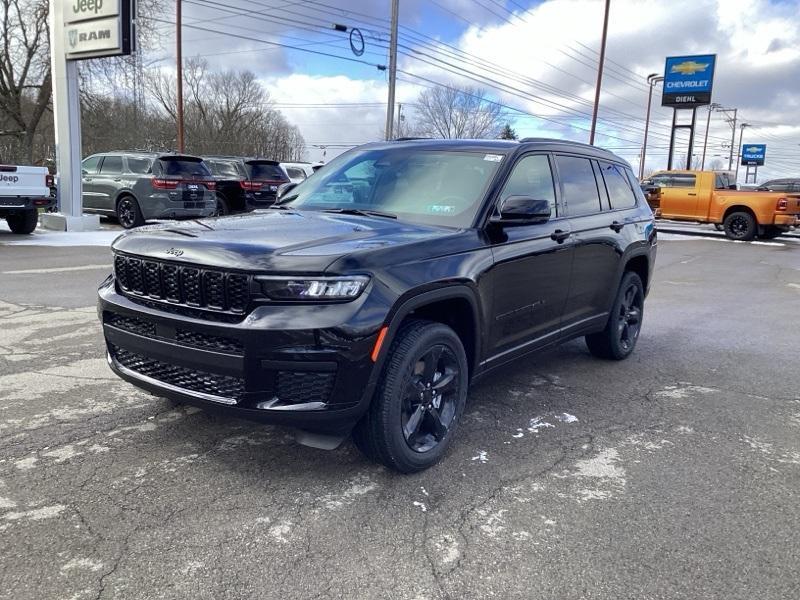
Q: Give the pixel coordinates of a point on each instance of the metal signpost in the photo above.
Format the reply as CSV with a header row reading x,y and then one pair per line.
x,y
79,29
688,81
753,155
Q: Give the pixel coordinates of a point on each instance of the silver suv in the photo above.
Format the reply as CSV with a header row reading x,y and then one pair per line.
x,y
138,186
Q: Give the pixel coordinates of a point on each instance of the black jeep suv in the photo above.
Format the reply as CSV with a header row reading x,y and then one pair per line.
x,y
244,184
371,295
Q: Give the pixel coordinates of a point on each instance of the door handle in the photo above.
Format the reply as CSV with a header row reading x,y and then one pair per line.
x,y
559,235
691,194
617,226
118,179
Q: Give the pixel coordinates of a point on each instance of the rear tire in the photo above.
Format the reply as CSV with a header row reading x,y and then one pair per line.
x,y
128,212
419,400
23,223
618,340
740,226
223,208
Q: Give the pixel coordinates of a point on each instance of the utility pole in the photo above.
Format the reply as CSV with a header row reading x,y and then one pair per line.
x,y
711,108
392,69
179,68
741,135
599,73
652,80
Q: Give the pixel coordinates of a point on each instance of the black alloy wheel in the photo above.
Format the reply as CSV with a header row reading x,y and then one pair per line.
x,y
618,339
431,400
630,316
128,213
414,414
740,226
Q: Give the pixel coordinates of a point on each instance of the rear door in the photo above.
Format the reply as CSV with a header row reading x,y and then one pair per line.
x,y
596,233
532,266
89,168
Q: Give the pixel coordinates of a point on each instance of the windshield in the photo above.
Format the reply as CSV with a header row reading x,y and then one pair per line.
x,y
436,187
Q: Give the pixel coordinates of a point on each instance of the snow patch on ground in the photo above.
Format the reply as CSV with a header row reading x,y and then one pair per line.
x,y
538,423
358,487
495,521
482,456
566,418
420,505
447,549
683,391
82,563
280,532
36,514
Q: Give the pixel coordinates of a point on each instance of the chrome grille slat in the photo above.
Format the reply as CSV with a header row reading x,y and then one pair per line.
x,y
191,286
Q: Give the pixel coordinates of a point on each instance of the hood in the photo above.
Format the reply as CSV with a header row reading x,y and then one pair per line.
x,y
273,241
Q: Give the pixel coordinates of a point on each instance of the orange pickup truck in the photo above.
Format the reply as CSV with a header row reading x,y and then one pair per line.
x,y
704,197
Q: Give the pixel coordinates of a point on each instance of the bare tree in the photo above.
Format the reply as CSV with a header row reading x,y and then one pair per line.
x,y
25,84
228,112
449,112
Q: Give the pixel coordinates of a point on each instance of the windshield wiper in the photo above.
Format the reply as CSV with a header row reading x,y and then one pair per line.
x,y
361,212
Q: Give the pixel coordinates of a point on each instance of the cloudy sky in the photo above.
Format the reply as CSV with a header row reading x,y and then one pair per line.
x,y
537,58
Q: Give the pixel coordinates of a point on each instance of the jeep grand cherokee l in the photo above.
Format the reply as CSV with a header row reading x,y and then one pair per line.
x,y
371,295
135,187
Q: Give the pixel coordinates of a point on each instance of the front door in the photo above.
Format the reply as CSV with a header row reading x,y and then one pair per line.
x,y
532,265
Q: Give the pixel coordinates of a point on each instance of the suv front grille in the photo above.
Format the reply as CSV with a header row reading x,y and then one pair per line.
x,y
182,285
192,380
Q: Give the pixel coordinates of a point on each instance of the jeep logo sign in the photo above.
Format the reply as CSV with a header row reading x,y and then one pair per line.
x,y
77,11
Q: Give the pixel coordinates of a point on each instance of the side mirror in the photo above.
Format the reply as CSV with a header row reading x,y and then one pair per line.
x,y
522,210
285,188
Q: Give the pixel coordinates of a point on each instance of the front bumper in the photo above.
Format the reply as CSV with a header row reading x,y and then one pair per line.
x,y
287,365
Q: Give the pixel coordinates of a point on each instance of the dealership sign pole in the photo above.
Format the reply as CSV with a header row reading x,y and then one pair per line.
x,y
79,29
688,81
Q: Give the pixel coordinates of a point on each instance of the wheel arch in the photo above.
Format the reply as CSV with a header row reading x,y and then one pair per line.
x,y
740,208
453,305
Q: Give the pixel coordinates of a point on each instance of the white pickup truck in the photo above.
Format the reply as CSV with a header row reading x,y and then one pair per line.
x,y
23,191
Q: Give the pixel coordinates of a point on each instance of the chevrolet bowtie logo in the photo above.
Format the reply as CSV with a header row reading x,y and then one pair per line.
x,y
753,149
689,67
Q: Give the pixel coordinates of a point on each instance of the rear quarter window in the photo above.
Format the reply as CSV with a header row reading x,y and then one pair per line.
x,y
620,193
140,166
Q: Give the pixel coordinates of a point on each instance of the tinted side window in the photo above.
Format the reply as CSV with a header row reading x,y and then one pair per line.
x,y
140,166
111,164
619,190
90,164
295,173
580,187
183,167
532,177
268,171
682,180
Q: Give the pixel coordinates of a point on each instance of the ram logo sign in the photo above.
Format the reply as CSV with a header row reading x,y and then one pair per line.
x,y
753,155
688,81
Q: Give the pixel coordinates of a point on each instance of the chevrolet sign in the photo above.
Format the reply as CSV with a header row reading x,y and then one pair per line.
x,y
754,155
688,81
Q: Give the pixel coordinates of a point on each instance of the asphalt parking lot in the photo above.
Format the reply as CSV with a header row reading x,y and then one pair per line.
x,y
674,474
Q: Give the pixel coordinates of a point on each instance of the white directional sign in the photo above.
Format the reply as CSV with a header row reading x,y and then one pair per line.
x,y
85,10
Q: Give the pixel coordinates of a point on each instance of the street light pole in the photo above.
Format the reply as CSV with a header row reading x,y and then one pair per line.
x,y
711,108
741,135
392,69
179,68
652,79
600,63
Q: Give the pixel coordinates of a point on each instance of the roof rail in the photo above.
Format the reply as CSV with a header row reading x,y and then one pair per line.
x,y
552,141
410,139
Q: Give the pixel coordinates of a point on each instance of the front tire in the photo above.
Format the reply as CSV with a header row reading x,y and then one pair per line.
x,y
128,212
618,340
740,226
23,223
419,400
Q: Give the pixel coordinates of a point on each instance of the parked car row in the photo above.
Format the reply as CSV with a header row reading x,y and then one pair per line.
x,y
135,187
